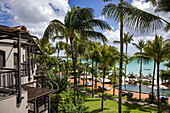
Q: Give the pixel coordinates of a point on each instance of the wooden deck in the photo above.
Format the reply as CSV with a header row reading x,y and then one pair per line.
x,y
35,92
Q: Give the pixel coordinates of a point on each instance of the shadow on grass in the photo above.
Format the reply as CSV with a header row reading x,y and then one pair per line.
x,y
89,99
136,106
97,110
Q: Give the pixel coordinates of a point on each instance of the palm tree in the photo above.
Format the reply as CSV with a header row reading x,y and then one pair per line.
x,y
133,18
126,40
77,21
109,56
46,47
159,50
141,44
60,46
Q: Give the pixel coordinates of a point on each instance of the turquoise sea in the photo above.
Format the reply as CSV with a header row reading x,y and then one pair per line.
x,y
134,67
147,68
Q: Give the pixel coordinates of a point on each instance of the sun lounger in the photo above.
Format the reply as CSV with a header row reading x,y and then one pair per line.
x,y
105,88
164,99
129,95
89,84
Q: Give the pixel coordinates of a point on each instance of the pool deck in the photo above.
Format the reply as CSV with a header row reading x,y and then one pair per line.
x,y
135,94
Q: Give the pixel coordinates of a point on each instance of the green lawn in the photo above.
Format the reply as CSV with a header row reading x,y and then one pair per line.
x,y
94,106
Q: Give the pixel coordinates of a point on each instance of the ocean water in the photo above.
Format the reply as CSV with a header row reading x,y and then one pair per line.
x,y
147,68
134,67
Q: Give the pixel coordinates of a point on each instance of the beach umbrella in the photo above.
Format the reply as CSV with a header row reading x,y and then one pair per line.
x,y
105,80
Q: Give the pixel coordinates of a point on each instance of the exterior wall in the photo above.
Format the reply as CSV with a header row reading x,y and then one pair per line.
x,y
9,105
9,54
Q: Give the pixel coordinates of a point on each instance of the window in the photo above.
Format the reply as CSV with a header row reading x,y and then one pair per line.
x,y
2,58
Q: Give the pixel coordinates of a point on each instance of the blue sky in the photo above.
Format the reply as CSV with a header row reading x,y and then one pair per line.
x,y
36,15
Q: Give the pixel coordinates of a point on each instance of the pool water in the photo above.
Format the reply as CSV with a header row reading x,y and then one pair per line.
x,y
145,89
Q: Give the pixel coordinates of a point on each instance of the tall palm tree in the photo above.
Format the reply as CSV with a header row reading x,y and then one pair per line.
x,y
159,50
133,18
109,55
141,44
126,40
77,21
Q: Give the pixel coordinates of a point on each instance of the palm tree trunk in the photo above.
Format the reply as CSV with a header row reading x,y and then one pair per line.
x,y
140,83
83,78
86,77
125,66
92,80
158,95
58,53
74,70
153,80
114,85
121,62
96,77
104,73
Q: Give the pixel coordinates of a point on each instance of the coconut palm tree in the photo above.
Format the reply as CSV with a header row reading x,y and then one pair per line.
x,y
109,56
159,50
141,44
46,47
77,21
59,46
126,40
133,18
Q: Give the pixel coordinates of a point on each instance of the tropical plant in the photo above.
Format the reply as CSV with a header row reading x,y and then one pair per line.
x,y
134,18
141,44
77,21
109,56
59,46
159,50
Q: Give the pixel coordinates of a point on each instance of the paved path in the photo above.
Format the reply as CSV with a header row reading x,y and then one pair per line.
x,y
135,95
125,100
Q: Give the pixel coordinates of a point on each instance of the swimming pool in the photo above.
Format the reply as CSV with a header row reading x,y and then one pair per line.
x,y
145,89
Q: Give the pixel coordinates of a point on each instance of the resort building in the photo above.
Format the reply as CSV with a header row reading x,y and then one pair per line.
x,y
22,86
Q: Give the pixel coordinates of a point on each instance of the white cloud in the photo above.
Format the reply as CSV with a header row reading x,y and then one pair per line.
x,y
101,18
35,14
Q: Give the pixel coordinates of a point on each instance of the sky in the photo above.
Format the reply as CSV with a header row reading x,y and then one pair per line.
x,y
37,14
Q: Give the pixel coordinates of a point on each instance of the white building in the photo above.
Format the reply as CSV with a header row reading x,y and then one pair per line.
x,y
18,93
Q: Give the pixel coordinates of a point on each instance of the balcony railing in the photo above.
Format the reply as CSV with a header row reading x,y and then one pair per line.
x,y
7,82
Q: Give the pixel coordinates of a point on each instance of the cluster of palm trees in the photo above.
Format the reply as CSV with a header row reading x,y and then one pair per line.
x,y
79,26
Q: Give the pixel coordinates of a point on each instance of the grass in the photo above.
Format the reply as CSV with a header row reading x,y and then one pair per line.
x,y
93,105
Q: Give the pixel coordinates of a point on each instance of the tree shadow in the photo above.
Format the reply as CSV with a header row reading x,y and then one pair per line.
x,y
86,100
136,106
97,110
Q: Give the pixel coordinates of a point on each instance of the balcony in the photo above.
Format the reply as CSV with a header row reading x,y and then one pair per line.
x,y
7,82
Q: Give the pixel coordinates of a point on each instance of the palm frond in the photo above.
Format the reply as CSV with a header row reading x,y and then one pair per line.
x,y
163,5
55,28
99,24
94,35
133,17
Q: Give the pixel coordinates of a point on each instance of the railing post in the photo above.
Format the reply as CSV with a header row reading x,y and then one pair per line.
x,y
29,63
19,70
49,104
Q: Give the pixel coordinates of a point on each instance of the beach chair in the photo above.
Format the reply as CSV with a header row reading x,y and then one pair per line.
x,y
124,94
164,99
129,95
89,83
105,88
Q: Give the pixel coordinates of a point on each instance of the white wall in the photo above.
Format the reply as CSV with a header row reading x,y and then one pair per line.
x,y
9,105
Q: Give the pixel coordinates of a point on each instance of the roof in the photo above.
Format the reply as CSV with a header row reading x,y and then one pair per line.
x,y
10,33
36,92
